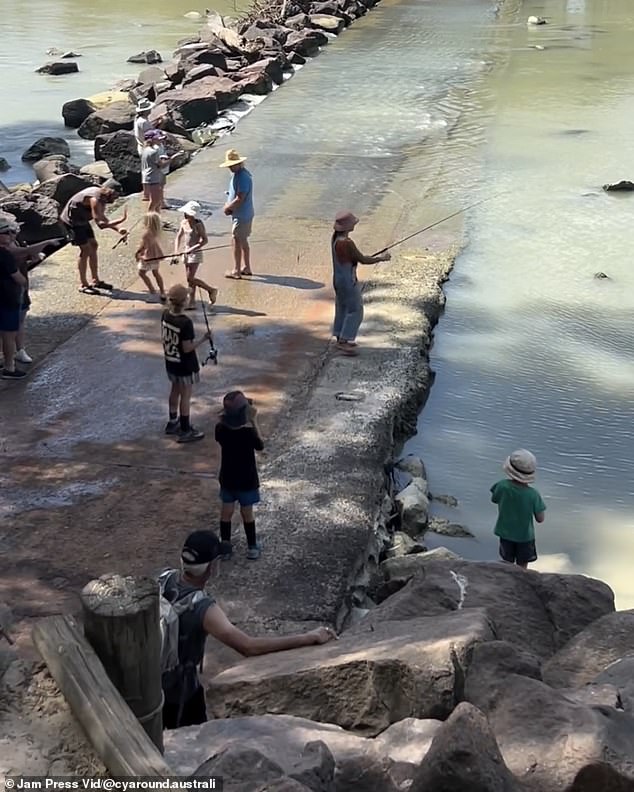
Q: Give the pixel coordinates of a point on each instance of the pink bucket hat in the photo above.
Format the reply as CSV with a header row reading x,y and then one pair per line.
x,y
345,221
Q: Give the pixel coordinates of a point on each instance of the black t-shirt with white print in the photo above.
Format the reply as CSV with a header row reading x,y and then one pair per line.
x,y
176,328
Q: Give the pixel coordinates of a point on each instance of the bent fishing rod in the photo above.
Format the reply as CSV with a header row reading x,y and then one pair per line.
x,y
438,222
200,250
212,355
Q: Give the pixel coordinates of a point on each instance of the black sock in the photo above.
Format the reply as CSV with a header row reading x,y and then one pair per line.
x,y
184,423
225,531
173,416
249,529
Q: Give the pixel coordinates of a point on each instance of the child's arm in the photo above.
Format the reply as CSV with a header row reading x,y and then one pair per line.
x,y
539,508
495,497
540,517
191,346
138,255
177,241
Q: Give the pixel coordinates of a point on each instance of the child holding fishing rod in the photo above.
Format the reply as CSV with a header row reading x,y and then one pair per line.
x,y
149,254
190,239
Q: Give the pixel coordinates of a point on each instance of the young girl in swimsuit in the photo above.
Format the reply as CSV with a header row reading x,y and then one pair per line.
x,y
191,237
149,252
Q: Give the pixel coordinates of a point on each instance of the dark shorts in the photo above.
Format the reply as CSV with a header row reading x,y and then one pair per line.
x,y
10,319
518,552
194,712
183,379
80,234
244,497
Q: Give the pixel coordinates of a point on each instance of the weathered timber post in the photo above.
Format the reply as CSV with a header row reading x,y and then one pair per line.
x,y
121,623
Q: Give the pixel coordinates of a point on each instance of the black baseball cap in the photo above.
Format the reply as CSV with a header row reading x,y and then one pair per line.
x,y
201,547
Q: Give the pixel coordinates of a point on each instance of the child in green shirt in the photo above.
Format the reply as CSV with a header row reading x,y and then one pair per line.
x,y
517,504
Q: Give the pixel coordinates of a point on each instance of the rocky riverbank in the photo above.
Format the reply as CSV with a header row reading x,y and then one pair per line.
x,y
212,79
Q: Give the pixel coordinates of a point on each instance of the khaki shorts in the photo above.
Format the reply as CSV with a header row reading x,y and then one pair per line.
x,y
241,229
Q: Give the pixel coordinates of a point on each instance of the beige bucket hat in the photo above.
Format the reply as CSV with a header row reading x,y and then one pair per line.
x,y
191,208
520,466
232,158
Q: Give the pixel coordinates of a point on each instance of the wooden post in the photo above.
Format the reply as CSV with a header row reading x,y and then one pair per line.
x,y
121,623
118,739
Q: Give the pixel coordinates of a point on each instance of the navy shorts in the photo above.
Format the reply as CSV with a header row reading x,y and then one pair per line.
x,y
81,234
244,497
10,320
518,552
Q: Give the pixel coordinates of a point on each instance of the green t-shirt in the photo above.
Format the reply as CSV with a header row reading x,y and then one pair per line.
x,y
517,505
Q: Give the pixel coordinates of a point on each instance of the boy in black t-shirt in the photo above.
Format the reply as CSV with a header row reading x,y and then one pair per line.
x,y
239,437
181,363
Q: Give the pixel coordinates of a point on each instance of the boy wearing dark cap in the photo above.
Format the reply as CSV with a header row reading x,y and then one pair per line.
x,y
239,437
184,693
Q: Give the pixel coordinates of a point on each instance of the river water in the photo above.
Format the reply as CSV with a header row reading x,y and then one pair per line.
x,y
419,109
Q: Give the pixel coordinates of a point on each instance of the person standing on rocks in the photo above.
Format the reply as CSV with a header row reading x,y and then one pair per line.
x,y
518,503
190,238
181,363
142,124
239,207
154,162
200,616
348,293
85,206
238,434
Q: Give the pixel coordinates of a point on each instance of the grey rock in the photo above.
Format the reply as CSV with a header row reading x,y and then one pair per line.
x,y
413,465
99,169
71,54
271,67
297,22
413,507
189,108
547,739
151,75
175,72
305,42
207,57
48,168
296,59
402,545
405,567
622,186
58,67
38,214
332,24
76,111
464,756
112,118
446,500
4,190
4,165
150,57
538,612
204,70
44,146
383,764
441,526
368,679
588,653
620,674
62,188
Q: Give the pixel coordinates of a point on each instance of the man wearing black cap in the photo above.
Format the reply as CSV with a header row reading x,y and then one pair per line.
x,y
184,694
87,205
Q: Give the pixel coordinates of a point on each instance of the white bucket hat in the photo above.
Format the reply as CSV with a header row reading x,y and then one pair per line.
x,y
191,208
520,466
144,106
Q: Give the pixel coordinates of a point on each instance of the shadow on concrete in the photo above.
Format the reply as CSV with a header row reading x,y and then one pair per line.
x,y
289,281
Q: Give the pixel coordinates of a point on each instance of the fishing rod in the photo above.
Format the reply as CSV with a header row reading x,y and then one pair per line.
x,y
212,355
124,237
438,222
175,256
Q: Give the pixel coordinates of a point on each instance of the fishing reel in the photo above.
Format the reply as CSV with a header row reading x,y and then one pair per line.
x,y
212,356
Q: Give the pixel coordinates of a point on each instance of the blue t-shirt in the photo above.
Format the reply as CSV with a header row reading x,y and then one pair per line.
x,y
242,182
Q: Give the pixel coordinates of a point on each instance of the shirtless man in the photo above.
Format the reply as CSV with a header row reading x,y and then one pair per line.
x,y
87,205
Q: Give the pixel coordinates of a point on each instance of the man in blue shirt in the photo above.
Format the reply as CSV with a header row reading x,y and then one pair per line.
x,y
239,207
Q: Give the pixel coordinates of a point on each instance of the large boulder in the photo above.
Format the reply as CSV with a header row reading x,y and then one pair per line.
x,y
621,675
44,146
99,170
49,167
58,67
271,67
38,214
119,115
149,56
204,70
151,75
591,651
76,111
405,566
412,504
547,738
327,22
188,108
208,57
119,151
306,42
365,681
382,764
464,756
539,612
62,188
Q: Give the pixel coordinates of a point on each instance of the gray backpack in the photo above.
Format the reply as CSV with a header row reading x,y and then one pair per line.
x,y
170,612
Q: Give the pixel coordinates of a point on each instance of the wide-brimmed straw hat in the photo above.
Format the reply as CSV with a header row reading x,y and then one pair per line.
x,y
144,106
232,158
191,208
345,221
520,466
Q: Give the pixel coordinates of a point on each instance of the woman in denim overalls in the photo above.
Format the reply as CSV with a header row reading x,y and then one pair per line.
x,y
348,292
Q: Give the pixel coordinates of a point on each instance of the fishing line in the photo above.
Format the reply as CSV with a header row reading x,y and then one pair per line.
x,y
438,222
